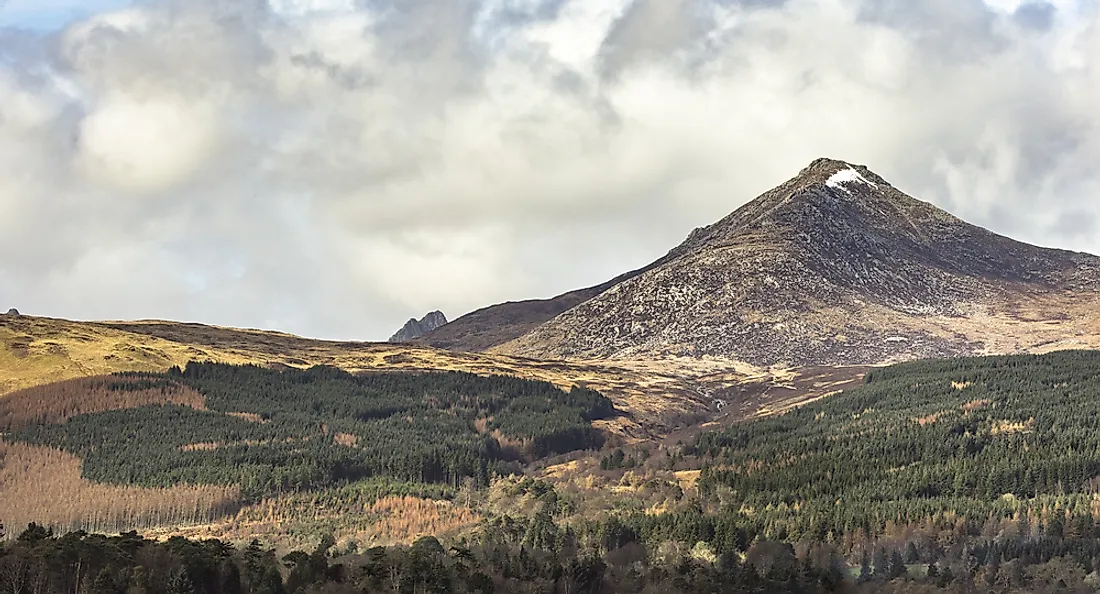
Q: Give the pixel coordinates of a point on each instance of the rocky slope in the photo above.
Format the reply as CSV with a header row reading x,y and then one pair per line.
x,y
495,325
414,328
834,267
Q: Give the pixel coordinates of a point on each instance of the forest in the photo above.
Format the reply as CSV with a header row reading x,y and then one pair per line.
x,y
978,474
970,464
976,437
270,431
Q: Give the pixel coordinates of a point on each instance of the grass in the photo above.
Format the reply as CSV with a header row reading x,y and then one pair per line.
x,y
34,351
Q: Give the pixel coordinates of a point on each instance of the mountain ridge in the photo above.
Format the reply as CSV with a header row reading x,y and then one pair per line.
x,y
494,325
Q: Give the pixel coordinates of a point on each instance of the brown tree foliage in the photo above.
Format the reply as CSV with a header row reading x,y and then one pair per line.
x,y
44,485
291,522
57,402
404,519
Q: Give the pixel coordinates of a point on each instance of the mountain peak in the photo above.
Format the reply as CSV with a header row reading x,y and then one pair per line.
x,y
827,195
836,174
825,165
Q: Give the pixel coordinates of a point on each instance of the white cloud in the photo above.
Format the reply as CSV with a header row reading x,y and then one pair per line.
x,y
333,168
147,144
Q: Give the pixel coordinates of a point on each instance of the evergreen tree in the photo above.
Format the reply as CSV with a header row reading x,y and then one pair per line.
x,y
881,564
911,554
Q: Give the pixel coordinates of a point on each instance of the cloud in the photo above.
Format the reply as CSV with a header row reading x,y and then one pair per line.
x,y
147,144
333,167
1036,15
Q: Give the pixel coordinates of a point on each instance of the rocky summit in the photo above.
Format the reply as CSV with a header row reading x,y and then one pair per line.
x,y
416,328
834,267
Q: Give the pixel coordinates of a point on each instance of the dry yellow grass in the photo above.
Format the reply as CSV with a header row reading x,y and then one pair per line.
x,y
34,351
558,471
44,485
346,439
246,416
687,478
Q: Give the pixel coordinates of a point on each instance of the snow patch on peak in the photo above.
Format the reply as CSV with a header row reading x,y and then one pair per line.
x,y
848,176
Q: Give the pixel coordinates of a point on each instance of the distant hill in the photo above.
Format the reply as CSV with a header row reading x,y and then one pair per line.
x,y
36,350
497,324
833,267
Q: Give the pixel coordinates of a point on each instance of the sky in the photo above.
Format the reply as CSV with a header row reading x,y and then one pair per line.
x,y
334,167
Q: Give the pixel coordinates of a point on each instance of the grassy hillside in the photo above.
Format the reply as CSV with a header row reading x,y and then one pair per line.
x,y
35,351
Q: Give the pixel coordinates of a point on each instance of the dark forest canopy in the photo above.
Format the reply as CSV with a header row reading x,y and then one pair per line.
x,y
271,431
974,437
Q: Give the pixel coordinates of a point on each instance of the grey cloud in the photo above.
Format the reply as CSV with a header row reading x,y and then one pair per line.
x,y
1076,223
652,29
1038,16
516,14
953,29
334,175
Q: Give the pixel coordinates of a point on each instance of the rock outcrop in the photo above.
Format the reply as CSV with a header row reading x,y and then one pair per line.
x,y
414,328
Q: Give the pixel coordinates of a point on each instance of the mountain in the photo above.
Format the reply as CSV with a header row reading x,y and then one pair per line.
x,y
416,328
834,267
